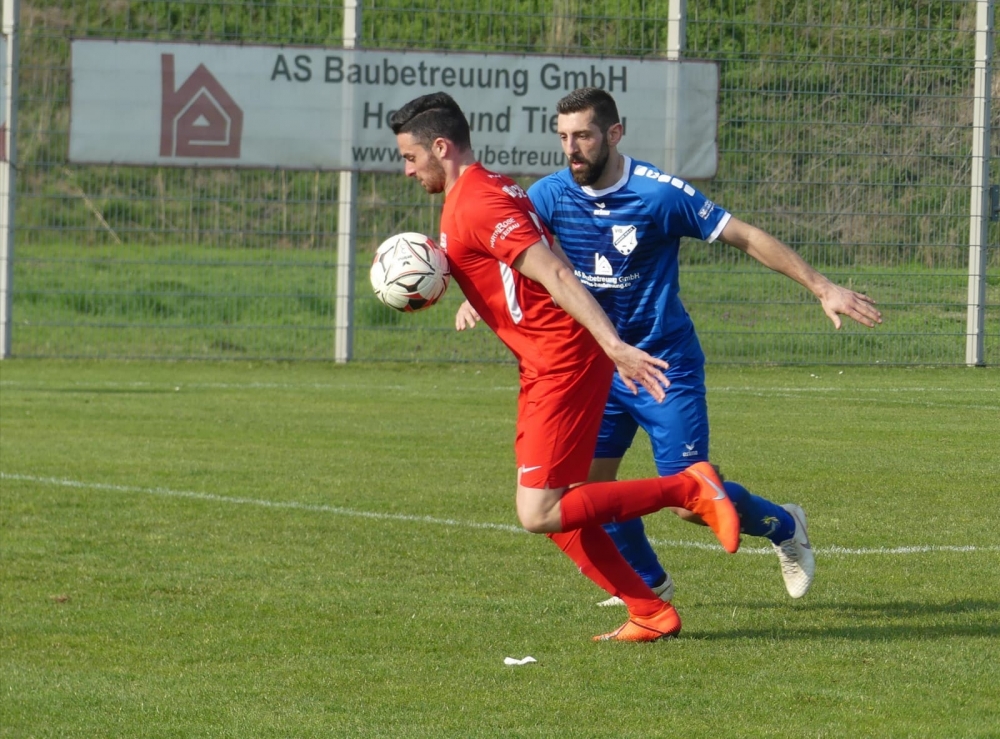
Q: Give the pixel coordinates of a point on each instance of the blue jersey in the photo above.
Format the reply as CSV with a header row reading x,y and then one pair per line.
x,y
623,242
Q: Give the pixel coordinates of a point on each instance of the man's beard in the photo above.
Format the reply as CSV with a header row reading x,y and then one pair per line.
x,y
593,170
434,180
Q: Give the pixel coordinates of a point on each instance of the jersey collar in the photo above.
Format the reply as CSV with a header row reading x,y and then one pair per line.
x,y
626,171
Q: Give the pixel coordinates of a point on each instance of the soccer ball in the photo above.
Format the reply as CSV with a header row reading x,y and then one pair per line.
x,y
410,272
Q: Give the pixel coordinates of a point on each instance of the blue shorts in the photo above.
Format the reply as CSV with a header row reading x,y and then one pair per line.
x,y
677,427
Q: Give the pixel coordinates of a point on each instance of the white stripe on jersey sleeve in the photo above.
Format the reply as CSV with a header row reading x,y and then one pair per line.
x,y
718,229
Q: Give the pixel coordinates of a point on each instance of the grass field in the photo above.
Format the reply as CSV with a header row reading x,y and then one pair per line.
x,y
186,301
310,550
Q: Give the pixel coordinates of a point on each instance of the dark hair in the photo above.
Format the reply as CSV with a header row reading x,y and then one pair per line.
x,y
591,98
432,116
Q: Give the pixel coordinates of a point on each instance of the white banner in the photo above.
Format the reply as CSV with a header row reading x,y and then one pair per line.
x,y
149,103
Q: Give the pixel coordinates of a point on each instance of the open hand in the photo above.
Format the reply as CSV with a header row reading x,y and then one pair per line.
x,y
636,366
466,317
842,301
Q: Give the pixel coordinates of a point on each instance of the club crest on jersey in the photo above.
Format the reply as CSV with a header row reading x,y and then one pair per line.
x,y
625,239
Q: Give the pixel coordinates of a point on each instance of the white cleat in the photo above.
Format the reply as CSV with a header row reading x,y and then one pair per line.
x,y
798,565
665,591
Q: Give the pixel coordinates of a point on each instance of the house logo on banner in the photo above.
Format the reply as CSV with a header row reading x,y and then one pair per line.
x,y
199,118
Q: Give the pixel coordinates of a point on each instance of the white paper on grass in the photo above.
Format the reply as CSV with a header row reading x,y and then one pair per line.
x,y
522,661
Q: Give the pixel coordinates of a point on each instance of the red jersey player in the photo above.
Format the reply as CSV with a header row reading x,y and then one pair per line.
x,y
567,350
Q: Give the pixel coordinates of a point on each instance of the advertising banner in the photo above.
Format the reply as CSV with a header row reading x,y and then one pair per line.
x,y
152,103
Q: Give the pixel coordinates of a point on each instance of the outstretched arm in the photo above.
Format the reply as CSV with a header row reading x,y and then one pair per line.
x,y
538,263
772,253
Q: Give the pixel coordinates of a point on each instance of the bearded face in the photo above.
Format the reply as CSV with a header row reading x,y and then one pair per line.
x,y
432,178
421,163
587,170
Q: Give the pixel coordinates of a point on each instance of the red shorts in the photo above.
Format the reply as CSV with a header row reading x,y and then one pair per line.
x,y
558,417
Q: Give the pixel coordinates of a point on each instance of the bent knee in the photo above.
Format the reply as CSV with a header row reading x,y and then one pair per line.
x,y
539,510
540,519
536,524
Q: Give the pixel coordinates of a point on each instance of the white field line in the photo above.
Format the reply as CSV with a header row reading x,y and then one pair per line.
x,y
338,511
240,386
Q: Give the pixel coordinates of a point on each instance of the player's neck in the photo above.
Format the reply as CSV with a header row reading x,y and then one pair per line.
x,y
456,170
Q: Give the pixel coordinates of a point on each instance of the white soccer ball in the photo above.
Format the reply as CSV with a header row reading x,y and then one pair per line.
x,y
410,272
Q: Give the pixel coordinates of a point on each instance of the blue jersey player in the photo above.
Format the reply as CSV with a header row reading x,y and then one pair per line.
x,y
619,222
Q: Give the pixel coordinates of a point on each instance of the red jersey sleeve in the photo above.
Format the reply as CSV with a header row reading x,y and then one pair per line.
x,y
503,223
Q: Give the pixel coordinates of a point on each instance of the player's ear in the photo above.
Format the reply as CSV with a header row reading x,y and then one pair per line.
x,y
441,147
615,133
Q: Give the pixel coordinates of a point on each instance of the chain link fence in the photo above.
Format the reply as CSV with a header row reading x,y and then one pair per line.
x,y
844,129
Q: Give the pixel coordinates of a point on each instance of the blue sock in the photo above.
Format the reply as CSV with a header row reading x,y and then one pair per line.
x,y
759,516
630,538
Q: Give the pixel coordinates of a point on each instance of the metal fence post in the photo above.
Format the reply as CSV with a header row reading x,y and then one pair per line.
x,y
676,28
979,207
346,222
8,168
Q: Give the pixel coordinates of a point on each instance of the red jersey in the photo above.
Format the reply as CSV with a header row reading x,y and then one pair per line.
x,y
486,223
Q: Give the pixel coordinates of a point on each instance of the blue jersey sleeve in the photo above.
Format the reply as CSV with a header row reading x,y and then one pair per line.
x,y
543,196
682,210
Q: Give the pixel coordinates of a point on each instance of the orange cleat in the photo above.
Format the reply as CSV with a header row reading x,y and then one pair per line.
x,y
663,624
713,505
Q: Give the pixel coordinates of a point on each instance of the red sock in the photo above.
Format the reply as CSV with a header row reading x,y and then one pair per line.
x,y
598,558
604,502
